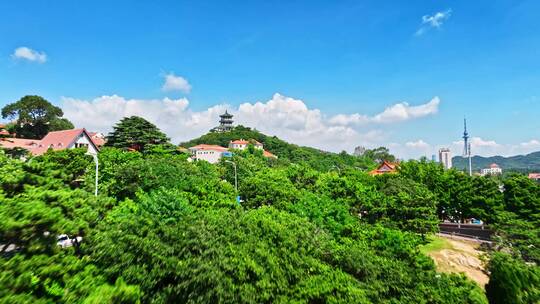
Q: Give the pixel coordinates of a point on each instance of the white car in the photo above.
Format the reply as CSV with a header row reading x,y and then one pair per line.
x,y
64,240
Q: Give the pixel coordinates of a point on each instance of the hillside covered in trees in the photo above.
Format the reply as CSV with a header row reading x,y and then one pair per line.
x,y
166,230
289,152
522,163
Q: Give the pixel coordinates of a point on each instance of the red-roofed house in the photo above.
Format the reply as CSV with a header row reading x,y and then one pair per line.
x,y
242,144
209,153
384,167
239,144
535,176
11,143
56,140
98,138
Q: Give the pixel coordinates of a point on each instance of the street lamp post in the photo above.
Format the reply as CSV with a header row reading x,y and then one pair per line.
x,y
235,175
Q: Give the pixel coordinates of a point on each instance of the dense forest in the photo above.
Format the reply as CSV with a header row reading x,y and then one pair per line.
x,y
311,227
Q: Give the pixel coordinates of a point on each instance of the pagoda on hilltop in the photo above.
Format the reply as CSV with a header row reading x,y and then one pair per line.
x,y
225,122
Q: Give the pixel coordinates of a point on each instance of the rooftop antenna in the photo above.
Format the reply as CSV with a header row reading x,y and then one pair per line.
x,y
467,145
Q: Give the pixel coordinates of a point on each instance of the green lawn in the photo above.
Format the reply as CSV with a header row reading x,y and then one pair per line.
x,y
436,243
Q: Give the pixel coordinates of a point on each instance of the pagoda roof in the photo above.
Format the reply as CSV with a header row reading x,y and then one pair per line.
x,y
226,114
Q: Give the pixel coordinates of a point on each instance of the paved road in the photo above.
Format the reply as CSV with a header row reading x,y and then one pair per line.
x,y
463,238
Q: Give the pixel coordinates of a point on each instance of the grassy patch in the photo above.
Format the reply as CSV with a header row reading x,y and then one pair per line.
x,y
437,243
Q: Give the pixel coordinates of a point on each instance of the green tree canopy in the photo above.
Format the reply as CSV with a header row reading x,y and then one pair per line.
x,y
34,117
136,133
380,154
512,281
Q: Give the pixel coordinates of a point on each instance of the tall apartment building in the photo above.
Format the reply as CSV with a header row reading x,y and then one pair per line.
x,y
445,157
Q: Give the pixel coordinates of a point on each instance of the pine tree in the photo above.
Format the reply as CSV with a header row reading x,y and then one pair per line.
x,y
136,133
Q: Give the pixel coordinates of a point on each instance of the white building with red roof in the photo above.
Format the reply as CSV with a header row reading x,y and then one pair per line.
x,y
239,144
493,169
535,176
209,153
98,138
213,153
242,144
56,140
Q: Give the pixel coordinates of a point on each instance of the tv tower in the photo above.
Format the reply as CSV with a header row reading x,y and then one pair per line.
x,y
467,145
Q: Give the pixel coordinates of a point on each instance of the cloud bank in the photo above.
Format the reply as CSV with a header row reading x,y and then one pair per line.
x,y
285,117
479,146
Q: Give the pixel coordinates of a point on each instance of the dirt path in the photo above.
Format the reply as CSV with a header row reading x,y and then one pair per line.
x,y
461,256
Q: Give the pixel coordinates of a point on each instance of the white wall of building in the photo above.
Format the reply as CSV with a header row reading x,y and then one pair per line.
x,y
83,141
211,156
238,146
491,171
445,158
243,146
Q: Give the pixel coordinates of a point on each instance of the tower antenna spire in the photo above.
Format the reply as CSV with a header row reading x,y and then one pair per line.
x,y
467,145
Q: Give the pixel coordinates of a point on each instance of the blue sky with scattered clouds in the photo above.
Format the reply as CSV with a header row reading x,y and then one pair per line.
x,y
329,74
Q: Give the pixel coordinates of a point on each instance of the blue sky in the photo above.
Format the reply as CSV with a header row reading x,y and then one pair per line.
x,y
351,59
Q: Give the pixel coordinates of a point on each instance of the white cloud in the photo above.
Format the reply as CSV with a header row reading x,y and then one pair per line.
x,y
419,144
479,146
349,119
434,21
395,113
283,116
175,83
29,54
173,116
402,111
484,147
533,143
286,117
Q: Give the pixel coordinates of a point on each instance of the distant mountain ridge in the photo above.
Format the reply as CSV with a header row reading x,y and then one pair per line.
x,y
525,163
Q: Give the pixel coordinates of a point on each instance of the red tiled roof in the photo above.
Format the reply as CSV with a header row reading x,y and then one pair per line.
x,y
209,147
59,140
28,144
268,154
534,175
385,167
239,142
98,138
494,165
